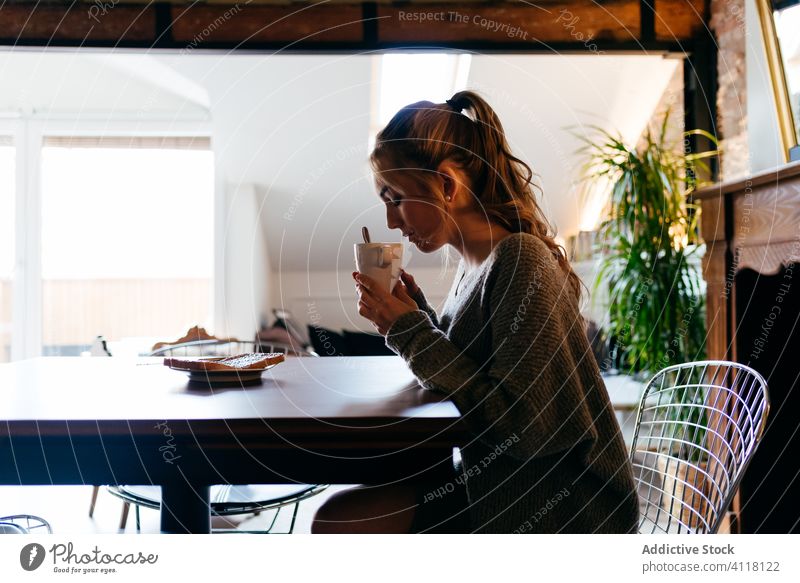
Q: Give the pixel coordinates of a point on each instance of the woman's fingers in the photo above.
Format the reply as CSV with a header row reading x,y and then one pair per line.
x,y
408,279
363,310
366,299
401,291
380,307
361,287
366,296
365,281
367,286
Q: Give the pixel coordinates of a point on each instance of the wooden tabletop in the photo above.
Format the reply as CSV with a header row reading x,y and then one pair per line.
x,y
110,420
339,388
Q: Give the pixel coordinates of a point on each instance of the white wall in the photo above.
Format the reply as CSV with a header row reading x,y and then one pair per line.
x,y
595,304
298,128
246,264
290,136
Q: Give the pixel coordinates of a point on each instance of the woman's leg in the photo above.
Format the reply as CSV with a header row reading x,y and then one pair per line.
x,y
368,510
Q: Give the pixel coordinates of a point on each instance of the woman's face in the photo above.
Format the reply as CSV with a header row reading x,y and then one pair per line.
x,y
418,217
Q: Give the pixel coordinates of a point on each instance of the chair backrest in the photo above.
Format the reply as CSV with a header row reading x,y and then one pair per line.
x,y
696,430
24,524
8,528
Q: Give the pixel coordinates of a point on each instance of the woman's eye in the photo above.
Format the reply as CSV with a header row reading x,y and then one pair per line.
x,y
384,194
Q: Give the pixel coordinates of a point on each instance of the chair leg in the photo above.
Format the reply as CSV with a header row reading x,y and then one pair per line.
x,y
124,518
138,521
294,517
268,530
95,490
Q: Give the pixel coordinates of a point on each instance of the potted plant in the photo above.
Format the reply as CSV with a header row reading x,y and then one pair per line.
x,y
649,249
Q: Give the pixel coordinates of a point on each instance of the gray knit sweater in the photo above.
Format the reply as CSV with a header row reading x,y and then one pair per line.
x,y
545,453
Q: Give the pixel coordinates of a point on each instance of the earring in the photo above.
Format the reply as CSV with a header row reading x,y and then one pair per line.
x,y
447,198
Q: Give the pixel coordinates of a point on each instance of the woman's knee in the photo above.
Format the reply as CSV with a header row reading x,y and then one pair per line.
x,y
332,516
367,509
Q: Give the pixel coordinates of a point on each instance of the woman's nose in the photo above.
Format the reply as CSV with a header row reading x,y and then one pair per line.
x,y
392,220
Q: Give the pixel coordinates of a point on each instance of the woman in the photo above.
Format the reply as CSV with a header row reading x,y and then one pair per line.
x,y
509,348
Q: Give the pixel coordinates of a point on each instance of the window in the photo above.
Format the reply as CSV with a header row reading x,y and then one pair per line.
x,y
407,78
7,194
127,239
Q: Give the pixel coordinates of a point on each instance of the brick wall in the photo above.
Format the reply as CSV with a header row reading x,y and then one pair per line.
x,y
728,25
672,101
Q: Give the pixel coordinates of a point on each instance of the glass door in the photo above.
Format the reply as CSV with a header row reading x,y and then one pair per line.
x,y
127,241
7,247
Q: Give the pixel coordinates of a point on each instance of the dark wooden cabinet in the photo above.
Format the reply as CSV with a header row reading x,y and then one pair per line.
x,y
752,269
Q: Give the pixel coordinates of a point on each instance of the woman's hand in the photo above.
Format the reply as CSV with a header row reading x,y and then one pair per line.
x,y
379,306
411,286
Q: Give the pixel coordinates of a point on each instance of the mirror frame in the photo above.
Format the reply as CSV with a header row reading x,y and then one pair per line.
x,y
780,89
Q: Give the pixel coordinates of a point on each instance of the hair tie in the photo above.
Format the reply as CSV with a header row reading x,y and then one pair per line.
x,y
453,105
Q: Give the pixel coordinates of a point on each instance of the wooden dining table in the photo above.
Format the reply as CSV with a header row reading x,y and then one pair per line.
x,y
116,421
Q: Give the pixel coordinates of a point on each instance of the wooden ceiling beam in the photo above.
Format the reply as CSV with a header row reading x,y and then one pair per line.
x,y
297,26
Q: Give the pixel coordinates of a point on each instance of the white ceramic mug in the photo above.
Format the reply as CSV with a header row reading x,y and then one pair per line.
x,y
380,261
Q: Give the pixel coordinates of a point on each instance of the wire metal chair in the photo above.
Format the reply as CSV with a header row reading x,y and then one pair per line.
x,y
227,500
24,524
697,428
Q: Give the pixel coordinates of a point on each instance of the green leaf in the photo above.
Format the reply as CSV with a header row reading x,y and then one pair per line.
x,y
657,306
